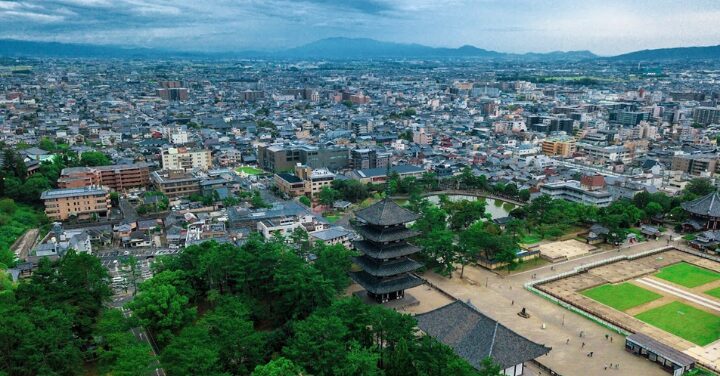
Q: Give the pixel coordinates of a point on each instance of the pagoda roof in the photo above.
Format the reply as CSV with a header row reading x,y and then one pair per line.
x,y
386,213
385,235
708,205
387,268
474,336
383,286
385,252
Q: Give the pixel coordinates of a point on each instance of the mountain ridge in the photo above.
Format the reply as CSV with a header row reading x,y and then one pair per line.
x,y
343,48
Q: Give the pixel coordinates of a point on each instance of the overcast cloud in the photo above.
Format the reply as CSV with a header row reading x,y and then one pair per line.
x,y
604,27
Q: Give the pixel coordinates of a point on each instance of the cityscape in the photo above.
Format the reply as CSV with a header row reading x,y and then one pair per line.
x,y
350,205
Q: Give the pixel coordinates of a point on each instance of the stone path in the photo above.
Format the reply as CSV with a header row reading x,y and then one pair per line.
x,y
683,294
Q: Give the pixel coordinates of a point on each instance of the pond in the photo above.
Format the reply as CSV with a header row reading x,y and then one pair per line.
x,y
496,208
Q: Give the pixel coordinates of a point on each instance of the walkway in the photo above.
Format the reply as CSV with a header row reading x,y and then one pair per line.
x,y
501,297
672,290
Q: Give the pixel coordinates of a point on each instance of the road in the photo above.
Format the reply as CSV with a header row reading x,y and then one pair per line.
x,y
25,243
142,336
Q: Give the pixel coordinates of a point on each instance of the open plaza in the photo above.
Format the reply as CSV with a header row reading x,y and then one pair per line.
x,y
668,294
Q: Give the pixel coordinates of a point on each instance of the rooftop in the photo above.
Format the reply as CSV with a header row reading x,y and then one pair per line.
x,y
72,192
474,336
386,213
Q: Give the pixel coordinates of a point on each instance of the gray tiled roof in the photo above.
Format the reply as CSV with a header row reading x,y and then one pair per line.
x,y
387,235
386,269
384,286
661,349
474,336
708,205
386,213
386,252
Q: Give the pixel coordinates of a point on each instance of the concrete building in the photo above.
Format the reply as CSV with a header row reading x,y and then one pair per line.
x,y
305,182
379,175
80,203
285,157
175,183
182,159
706,115
572,190
361,159
563,146
332,236
696,164
115,177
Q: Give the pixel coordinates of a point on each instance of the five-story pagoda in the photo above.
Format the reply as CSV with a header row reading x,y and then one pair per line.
x,y
385,250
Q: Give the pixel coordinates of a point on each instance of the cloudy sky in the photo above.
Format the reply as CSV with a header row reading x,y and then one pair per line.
x,y
605,27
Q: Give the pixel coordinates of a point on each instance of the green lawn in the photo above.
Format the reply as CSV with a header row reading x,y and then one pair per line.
x,y
332,218
684,321
249,170
530,238
622,296
714,292
687,275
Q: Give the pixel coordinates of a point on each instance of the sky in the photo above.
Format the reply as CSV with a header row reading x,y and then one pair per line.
x,y
605,27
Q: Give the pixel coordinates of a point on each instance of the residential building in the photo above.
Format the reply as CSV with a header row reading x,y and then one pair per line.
x,y
562,146
80,203
696,164
183,159
115,177
175,183
706,115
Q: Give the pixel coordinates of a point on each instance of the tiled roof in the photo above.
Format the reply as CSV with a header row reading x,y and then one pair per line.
x,y
384,286
386,213
708,205
474,336
386,269
386,252
388,235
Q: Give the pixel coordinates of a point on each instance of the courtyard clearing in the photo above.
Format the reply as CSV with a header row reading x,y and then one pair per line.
x,y
684,321
622,296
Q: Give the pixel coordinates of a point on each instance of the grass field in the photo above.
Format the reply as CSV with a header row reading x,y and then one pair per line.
x,y
249,170
687,275
714,292
622,296
684,321
332,218
530,238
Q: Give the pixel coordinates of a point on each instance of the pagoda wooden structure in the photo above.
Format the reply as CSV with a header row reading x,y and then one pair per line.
x,y
385,260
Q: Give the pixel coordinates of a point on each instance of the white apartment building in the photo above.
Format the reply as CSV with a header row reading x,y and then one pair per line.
x,y
183,159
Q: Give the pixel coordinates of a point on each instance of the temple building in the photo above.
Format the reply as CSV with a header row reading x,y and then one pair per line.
x,y
385,251
704,213
474,337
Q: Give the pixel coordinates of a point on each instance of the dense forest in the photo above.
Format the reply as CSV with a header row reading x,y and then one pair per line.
x,y
215,309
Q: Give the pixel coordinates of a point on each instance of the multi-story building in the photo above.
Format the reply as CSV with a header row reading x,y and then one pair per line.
x,y
182,159
696,164
306,181
563,146
285,157
420,136
604,153
80,203
175,183
173,93
572,190
115,177
706,115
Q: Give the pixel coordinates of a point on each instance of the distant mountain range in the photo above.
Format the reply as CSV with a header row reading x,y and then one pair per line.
x,y
343,48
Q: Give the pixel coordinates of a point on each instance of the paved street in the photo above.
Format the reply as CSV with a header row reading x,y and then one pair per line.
x,y
501,297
